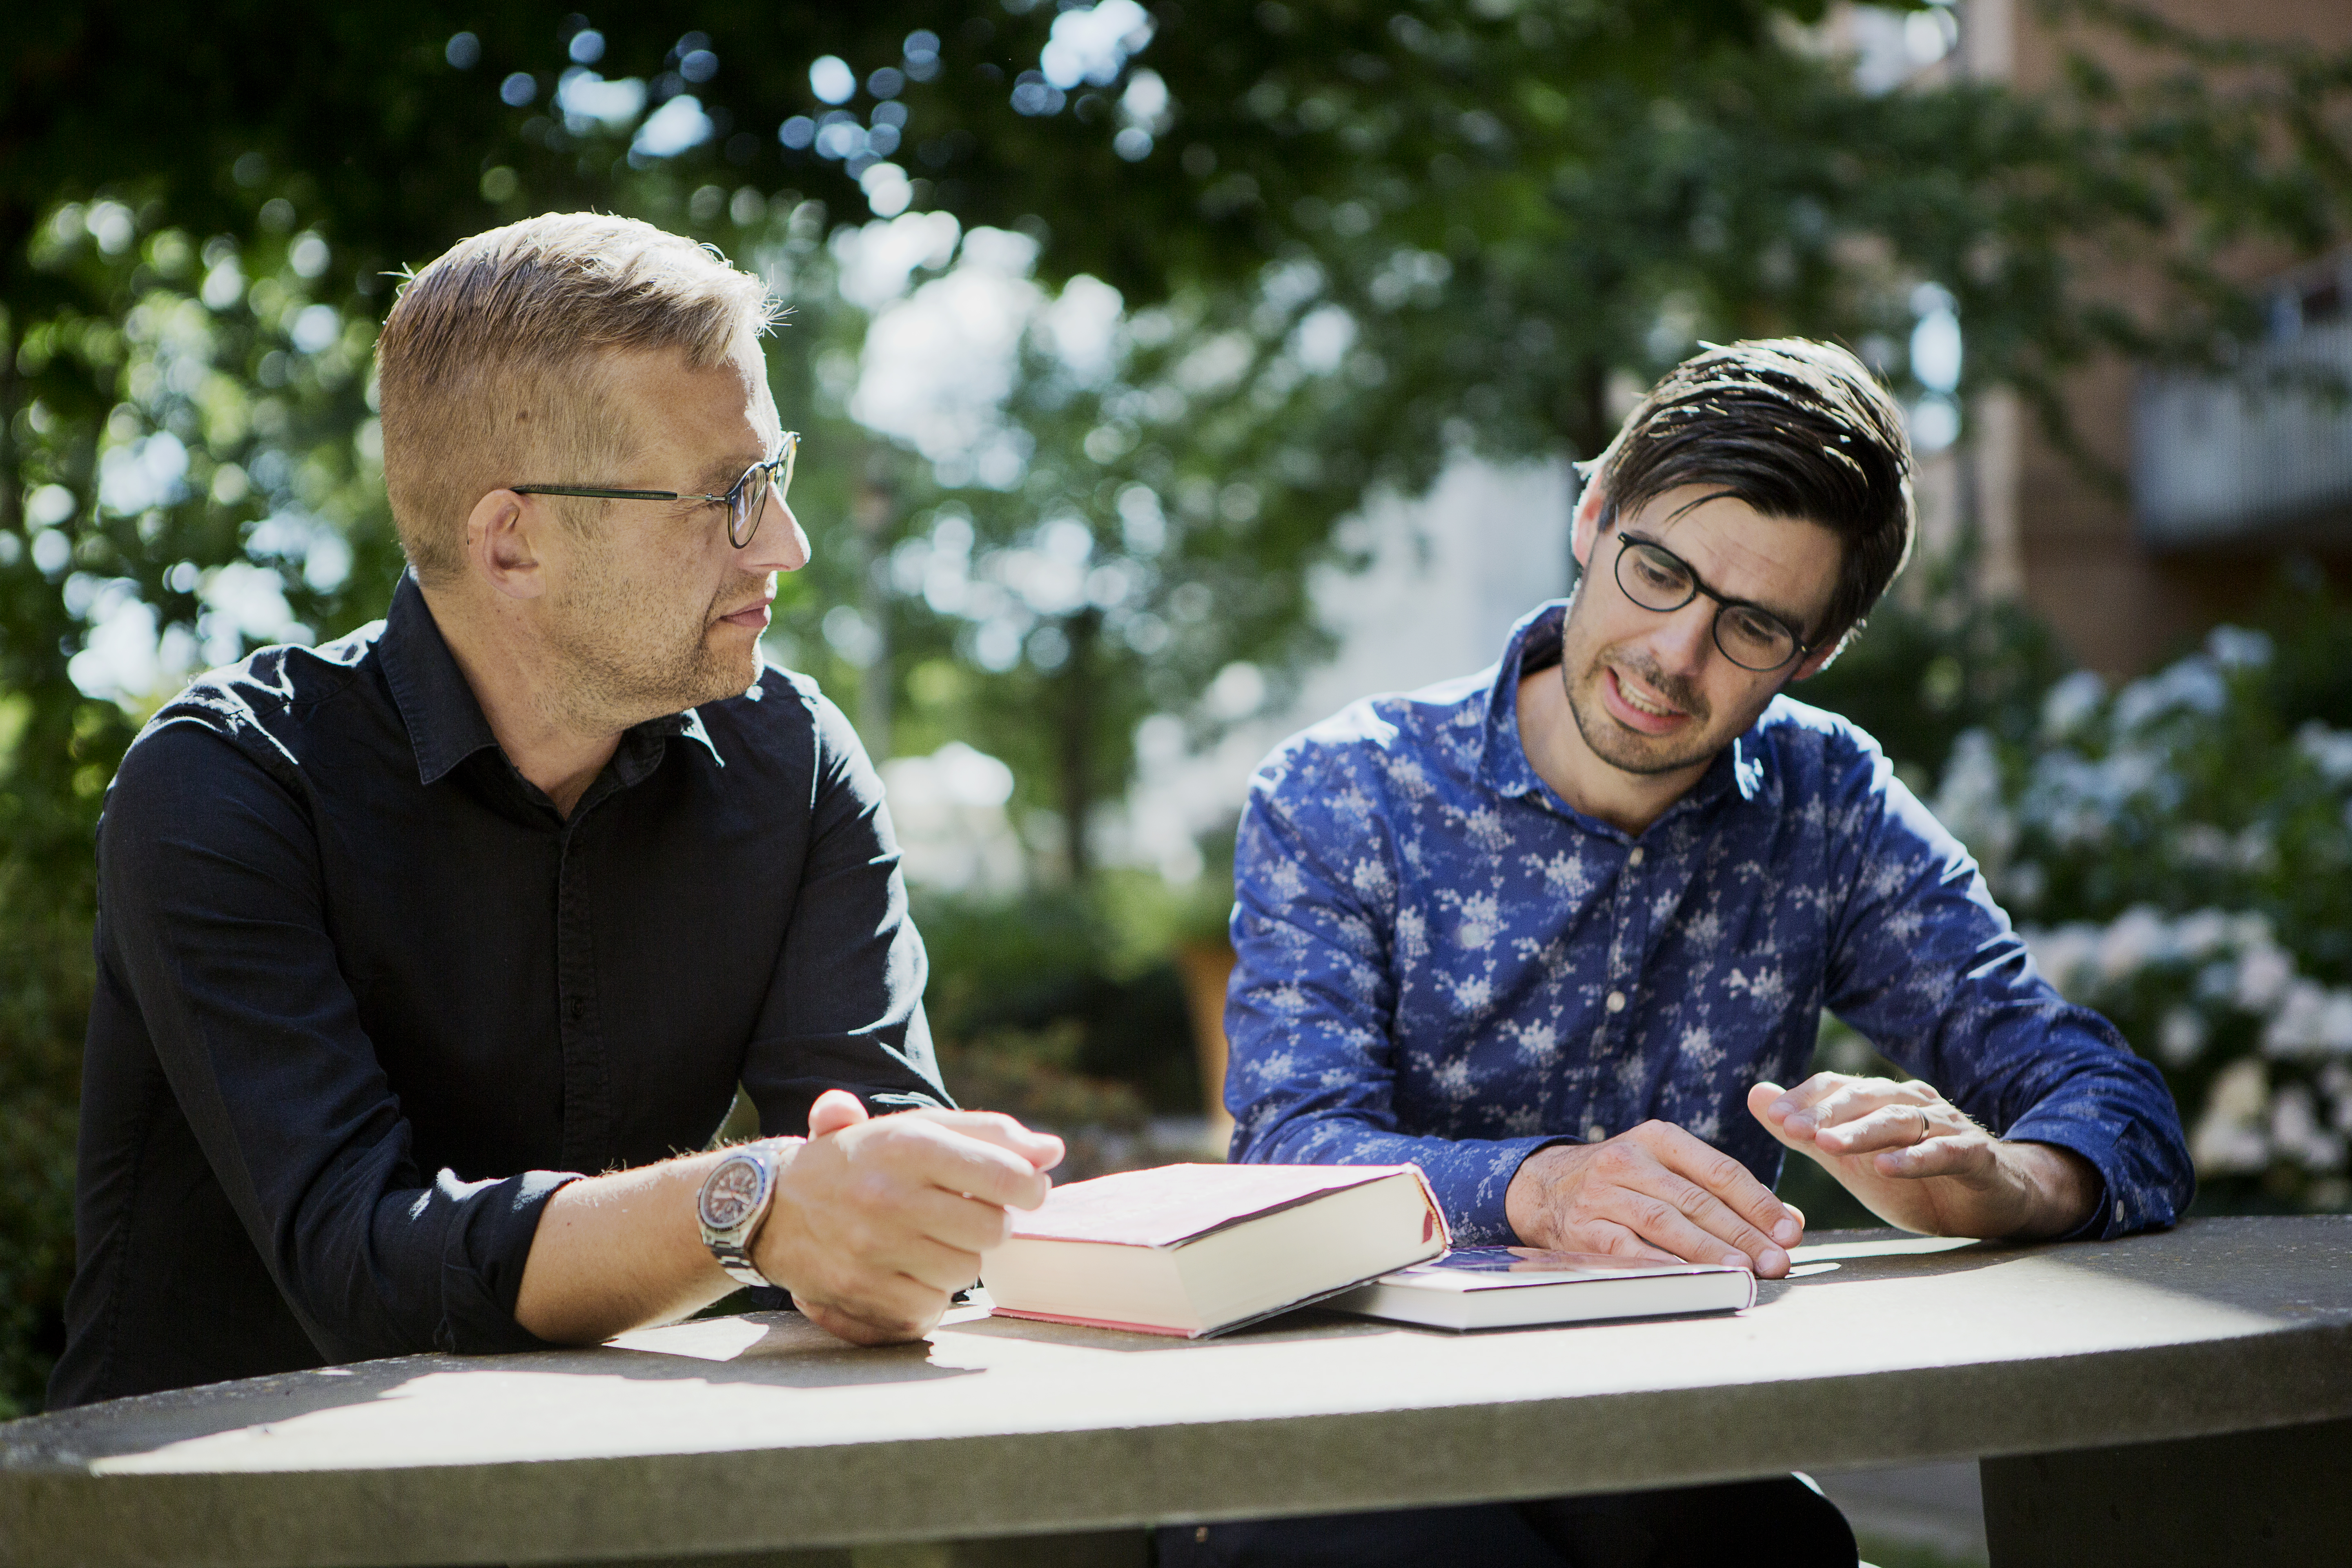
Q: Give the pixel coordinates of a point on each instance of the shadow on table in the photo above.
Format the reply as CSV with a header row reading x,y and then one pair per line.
x,y
775,1349
1299,1323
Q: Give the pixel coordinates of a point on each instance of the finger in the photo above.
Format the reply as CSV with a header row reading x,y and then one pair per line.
x,y
880,1296
1659,1224
1614,1239
1967,1154
1683,1218
1886,1127
946,1269
1043,1151
834,1109
950,1220
1852,1099
1732,1186
1787,1102
860,1330
940,1156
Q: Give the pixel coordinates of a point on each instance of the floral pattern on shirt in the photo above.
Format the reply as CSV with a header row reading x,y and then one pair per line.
x,y
1442,962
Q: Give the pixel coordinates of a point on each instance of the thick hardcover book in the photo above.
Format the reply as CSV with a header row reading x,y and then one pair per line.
x,y
1193,1250
1514,1287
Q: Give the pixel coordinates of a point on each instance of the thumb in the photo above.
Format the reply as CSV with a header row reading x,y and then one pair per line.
x,y
834,1109
1759,1099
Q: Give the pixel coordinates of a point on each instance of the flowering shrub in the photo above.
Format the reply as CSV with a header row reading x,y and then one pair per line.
x,y
2178,856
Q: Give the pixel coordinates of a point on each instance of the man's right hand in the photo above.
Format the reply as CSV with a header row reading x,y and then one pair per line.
x,y
878,1222
1656,1192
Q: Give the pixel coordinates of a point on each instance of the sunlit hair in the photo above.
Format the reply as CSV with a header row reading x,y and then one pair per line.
x,y
490,368
1795,429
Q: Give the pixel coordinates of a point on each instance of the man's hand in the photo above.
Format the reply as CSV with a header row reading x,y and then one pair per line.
x,y
877,1222
1657,1193
1918,1161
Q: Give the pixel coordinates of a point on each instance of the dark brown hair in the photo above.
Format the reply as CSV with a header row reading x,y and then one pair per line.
x,y
1796,429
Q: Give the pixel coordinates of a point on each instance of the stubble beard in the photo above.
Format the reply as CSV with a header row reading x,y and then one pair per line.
x,y
630,663
1581,675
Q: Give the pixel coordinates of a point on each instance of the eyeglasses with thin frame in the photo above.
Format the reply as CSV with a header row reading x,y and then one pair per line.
x,y
1750,635
745,500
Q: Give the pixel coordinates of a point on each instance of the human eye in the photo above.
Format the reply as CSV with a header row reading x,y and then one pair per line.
x,y
1757,633
1659,570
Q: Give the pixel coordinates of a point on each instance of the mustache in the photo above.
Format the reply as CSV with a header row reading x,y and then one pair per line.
x,y
1680,690
742,590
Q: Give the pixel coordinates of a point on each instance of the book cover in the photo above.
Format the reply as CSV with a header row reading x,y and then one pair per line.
x,y
1517,1286
1169,1205
1193,1250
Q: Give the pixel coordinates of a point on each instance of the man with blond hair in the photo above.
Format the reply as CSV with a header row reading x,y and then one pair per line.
x,y
422,954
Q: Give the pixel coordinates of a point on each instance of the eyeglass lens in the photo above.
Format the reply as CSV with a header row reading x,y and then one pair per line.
x,y
1657,579
750,498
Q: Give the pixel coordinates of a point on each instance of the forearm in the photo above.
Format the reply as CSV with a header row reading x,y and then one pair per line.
x,y
618,1252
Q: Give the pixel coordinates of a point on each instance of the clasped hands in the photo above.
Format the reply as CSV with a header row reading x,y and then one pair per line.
x,y
1914,1158
879,1220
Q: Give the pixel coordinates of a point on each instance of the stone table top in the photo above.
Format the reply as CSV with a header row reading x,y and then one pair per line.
x,y
763,1432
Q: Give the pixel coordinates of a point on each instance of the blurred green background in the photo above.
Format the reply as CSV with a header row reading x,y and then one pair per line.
x,y
1190,285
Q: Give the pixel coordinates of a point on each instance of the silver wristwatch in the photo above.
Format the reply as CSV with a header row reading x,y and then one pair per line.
x,y
734,1200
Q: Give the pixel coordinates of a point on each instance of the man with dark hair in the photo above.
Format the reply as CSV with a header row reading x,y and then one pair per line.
x,y
1559,931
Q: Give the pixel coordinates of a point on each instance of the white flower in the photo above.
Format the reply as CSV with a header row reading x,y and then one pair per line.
x,y
2229,1138
2066,705
2296,1133
2180,1037
2138,938
2265,972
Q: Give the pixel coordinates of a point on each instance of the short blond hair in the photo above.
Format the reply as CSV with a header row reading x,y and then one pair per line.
x,y
486,369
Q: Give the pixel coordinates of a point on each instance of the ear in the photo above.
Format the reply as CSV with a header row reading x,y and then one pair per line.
x,y
1587,529
1818,660
500,543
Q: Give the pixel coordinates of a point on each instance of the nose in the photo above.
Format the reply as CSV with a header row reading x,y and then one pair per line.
x,y
1682,639
778,545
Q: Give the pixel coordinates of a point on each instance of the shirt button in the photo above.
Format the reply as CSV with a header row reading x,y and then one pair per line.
x,y
1636,858
1596,1133
1616,1002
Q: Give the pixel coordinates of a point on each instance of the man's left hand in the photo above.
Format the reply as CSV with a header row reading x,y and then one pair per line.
x,y
1917,1161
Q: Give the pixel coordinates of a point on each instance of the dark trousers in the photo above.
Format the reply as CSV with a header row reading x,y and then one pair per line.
x,y
1784,1522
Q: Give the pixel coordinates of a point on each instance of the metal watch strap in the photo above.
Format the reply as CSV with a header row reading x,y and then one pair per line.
x,y
732,1247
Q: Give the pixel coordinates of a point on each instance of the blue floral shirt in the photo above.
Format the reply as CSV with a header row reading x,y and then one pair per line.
x,y
1442,961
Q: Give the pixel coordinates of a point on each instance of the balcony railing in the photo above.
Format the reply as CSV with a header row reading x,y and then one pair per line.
x,y
2265,452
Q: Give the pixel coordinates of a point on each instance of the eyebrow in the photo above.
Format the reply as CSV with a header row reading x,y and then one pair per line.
x,y
725,472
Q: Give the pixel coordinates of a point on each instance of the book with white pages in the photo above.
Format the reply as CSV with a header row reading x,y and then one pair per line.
x,y
1520,1287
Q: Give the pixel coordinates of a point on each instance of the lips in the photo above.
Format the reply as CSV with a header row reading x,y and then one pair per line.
x,y
753,615
1633,704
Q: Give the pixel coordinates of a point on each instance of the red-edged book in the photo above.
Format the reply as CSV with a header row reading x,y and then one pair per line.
x,y
1193,1250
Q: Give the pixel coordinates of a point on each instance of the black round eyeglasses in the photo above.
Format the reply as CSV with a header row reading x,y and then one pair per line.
x,y
1750,635
745,500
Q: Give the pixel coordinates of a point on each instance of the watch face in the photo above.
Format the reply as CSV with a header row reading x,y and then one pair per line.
x,y
731,1193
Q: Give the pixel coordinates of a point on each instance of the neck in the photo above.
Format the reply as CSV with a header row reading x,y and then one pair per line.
x,y
1555,748
520,687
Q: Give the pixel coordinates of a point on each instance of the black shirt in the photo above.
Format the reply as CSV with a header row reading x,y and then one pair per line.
x,y
365,998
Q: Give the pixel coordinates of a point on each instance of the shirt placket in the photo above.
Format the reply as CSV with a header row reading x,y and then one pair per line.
x,y
1629,929
587,1079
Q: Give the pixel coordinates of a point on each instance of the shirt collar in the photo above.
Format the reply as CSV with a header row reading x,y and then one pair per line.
x,y
1534,643
444,719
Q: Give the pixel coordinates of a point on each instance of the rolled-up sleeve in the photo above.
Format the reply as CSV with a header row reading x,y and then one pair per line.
x,y
213,917
1926,965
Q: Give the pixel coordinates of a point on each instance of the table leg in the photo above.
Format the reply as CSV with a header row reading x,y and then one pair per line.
x,y
2281,1496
